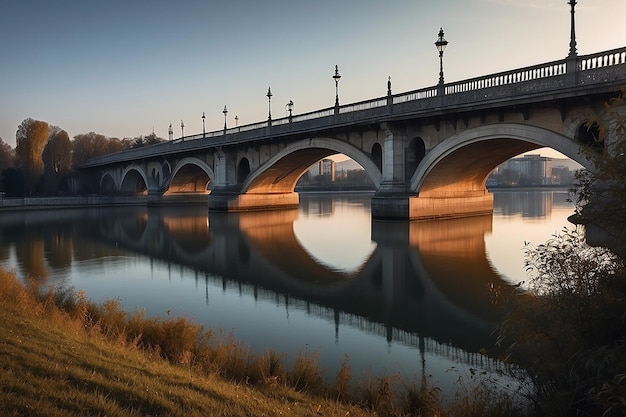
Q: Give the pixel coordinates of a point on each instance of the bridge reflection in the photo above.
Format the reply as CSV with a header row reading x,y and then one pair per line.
x,y
423,279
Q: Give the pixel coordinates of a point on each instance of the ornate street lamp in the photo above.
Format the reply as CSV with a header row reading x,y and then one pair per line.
x,y
203,128
572,42
269,105
182,129
441,46
170,132
225,111
236,121
289,107
336,77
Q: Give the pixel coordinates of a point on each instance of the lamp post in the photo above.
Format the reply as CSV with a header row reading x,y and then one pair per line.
x,y
289,107
572,42
336,77
441,46
236,121
269,106
203,125
182,129
225,111
170,132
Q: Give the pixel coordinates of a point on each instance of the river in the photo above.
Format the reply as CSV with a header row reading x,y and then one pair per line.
x,y
407,298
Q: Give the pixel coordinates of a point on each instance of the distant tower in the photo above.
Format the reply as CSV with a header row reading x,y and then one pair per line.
x,y
327,169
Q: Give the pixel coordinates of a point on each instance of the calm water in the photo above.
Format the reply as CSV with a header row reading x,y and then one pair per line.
x,y
397,297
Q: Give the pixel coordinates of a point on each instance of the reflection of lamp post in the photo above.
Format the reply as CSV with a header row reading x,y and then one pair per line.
x,y
290,109
182,129
441,46
225,111
203,129
269,105
336,77
170,132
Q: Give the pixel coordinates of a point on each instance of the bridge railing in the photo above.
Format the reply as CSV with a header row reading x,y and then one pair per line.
x,y
602,59
415,95
550,69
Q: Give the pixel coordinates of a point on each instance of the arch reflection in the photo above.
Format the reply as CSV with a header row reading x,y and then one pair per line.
x,y
429,278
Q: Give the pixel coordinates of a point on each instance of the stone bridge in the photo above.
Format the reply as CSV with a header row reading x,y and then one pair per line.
x,y
428,152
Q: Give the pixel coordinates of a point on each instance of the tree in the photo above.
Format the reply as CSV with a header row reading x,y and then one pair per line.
x,y
7,156
13,182
141,141
30,140
90,145
57,158
57,154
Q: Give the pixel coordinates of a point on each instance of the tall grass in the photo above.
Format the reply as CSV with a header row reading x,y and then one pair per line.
x,y
208,353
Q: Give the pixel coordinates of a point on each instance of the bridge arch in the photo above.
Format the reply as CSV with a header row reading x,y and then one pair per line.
x,y
107,184
134,181
282,171
415,152
243,170
377,155
190,175
591,135
463,162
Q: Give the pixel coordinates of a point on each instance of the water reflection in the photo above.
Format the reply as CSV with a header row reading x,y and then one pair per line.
x,y
284,279
529,203
430,278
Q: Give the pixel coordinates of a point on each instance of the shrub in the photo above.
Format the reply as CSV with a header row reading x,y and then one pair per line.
x,y
306,374
568,328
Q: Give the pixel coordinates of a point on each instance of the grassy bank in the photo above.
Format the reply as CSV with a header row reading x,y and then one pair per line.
x,y
61,355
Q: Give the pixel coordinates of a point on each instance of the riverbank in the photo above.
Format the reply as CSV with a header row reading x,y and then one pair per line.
x,y
51,364
47,203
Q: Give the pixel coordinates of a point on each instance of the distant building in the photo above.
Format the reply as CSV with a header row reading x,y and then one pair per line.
x,y
534,169
327,169
529,170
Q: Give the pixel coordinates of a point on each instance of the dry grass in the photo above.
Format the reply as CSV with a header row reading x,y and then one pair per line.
x,y
52,364
62,355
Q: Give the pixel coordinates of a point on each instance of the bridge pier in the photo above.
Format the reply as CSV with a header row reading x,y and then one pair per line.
x,y
224,201
411,207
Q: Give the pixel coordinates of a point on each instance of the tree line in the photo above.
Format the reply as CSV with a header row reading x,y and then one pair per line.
x,y
44,160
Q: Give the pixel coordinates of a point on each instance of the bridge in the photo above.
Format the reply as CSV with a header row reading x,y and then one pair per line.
x,y
428,152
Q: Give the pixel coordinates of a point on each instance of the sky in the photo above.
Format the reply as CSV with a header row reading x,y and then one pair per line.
x,y
133,67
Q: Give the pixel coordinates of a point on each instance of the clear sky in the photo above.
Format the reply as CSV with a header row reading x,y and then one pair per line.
x,y
124,68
